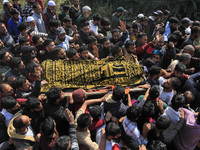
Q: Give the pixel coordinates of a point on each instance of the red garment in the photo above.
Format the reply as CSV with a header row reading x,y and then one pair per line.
x,y
115,147
31,78
143,49
96,124
182,79
41,4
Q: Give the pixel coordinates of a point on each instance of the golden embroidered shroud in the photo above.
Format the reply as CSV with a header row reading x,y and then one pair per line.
x,y
91,74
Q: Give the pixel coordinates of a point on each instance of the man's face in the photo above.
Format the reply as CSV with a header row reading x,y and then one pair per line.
x,y
51,8
76,57
132,49
15,17
173,26
144,23
120,54
84,54
86,30
61,54
178,74
26,86
38,70
26,44
94,43
38,9
6,58
156,58
3,29
62,36
167,84
24,32
67,24
116,36
32,24
31,2
143,40
51,47
8,90
39,108
16,108
40,41
9,6
107,27
16,2
161,43
106,45
21,66
76,2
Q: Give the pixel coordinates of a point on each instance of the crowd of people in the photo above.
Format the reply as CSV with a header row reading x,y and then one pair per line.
x,y
166,117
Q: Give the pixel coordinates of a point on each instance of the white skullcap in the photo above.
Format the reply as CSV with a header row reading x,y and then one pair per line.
x,y
51,3
140,16
29,19
86,8
5,1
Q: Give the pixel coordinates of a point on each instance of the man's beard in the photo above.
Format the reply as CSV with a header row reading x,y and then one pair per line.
x,y
107,29
62,39
107,49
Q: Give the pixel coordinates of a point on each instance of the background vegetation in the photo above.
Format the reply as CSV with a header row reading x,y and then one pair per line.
x,y
178,8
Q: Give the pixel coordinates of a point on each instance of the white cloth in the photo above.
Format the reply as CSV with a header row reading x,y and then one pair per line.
x,y
93,27
8,116
65,44
172,114
39,22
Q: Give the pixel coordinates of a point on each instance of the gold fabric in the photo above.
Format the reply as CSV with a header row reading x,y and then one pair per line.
x,y
90,74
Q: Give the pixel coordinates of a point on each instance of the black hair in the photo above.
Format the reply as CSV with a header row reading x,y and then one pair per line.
x,y
19,81
84,24
175,82
71,52
118,93
8,102
166,12
178,101
112,129
128,26
140,35
135,25
2,53
47,42
84,120
23,40
14,11
62,143
149,63
22,26
115,50
145,18
15,62
148,109
133,112
154,92
128,43
115,30
47,127
35,5
32,103
105,21
103,39
27,50
67,19
57,49
154,70
18,123
97,17
195,29
52,95
65,7
91,39
196,23
173,38
54,23
174,20
35,38
95,112
82,48
31,66
178,34
180,67
157,145
163,122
